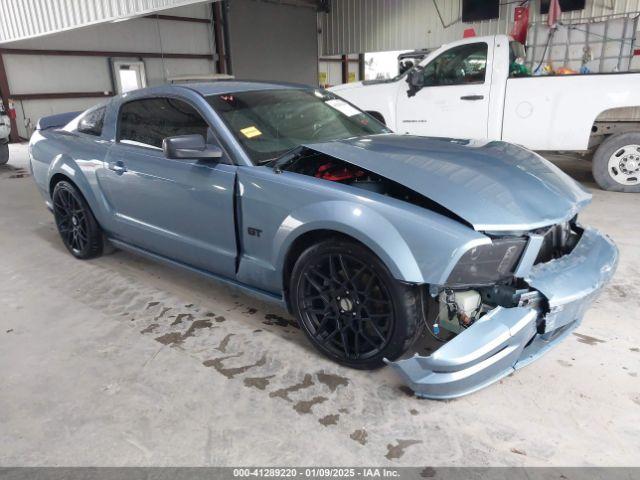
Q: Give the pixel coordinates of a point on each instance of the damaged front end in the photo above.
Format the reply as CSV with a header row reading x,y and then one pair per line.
x,y
505,326
505,302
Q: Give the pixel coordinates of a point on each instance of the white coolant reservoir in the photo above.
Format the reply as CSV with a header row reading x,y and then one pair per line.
x,y
458,309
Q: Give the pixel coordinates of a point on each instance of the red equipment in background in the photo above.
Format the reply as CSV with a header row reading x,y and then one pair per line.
x,y
11,110
521,24
554,13
469,32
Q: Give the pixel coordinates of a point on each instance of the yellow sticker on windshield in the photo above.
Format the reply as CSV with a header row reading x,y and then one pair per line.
x,y
250,132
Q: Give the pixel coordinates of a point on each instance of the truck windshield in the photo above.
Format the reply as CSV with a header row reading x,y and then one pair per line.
x,y
268,123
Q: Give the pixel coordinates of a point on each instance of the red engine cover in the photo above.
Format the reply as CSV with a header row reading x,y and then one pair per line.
x,y
337,173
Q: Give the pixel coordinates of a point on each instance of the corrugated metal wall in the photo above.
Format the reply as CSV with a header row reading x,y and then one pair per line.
x,y
21,19
273,41
356,26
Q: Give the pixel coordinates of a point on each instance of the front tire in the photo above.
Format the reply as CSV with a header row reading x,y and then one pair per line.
x,y
76,224
616,163
4,153
350,306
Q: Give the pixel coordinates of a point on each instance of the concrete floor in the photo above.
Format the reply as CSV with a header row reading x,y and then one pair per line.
x,y
121,361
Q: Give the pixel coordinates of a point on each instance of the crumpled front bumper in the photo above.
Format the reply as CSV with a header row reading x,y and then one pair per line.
x,y
506,339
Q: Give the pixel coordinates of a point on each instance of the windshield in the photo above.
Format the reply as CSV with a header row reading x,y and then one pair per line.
x,y
269,123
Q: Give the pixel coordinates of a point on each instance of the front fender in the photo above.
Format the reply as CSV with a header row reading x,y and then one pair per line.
x,y
417,245
353,219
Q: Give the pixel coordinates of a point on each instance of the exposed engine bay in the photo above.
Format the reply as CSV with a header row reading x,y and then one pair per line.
x,y
451,312
457,309
309,162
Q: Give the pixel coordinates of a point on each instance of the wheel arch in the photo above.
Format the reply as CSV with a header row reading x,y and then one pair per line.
x,y
300,244
614,121
619,114
356,223
64,168
57,178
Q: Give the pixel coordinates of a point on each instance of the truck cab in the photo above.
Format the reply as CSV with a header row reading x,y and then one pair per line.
x,y
447,95
476,88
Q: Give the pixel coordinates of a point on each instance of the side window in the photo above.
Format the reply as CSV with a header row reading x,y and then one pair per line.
x,y
151,120
92,122
466,64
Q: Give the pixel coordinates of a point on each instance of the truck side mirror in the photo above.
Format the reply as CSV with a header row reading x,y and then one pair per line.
x,y
415,79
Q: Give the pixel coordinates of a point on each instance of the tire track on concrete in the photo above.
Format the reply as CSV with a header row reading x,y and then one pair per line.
x,y
237,352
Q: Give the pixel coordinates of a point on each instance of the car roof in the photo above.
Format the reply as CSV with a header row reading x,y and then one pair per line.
x,y
213,87
218,87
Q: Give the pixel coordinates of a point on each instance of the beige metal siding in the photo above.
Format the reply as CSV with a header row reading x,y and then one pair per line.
x,y
22,19
273,41
43,74
355,26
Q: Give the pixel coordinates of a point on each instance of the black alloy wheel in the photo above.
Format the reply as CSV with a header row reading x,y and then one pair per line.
x,y
349,305
75,222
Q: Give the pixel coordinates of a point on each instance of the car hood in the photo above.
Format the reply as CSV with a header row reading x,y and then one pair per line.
x,y
348,86
494,186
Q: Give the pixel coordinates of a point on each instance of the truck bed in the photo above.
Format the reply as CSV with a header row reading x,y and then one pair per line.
x,y
558,112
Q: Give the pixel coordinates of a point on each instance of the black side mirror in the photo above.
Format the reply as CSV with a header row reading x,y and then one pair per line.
x,y
190,147
90,125
415,79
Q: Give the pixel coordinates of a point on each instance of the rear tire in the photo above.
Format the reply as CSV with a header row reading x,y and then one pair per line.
x,y
4,153
350,306
76,224
616,163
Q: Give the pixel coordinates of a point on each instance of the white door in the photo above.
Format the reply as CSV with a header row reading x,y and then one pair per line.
x,y
453,99
130,76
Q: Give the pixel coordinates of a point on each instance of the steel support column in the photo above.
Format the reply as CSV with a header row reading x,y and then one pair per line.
x,y
345,68
5,92
221,61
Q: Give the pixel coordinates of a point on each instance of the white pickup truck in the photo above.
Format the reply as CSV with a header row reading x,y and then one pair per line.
x,y
472,88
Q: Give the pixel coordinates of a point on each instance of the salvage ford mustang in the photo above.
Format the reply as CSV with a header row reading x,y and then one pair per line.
x,y
367,237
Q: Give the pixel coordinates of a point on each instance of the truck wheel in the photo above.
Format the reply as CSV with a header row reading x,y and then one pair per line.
x,y
350,306
616,163
4,153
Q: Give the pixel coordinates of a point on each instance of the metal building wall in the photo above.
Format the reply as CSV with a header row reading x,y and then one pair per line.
x,y
274,41
355,26
21,19
45,81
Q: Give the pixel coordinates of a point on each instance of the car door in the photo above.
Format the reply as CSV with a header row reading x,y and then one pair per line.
x,y
180,209
453,100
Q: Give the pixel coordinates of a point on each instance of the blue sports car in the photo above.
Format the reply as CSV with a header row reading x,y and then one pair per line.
x,y
367,237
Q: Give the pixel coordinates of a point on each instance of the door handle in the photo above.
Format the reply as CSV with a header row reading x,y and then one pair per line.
x,y
117,167
472,97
